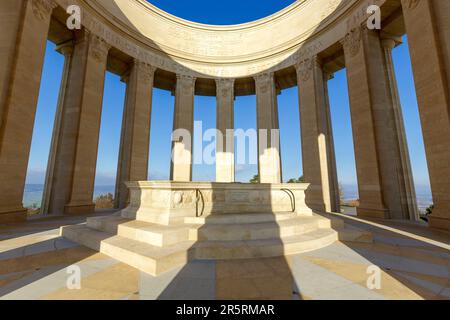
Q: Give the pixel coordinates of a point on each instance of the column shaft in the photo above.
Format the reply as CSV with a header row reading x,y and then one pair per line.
x,y
183,126
72,185
335,197
363,94
225,126
268,129
381,166
405,178
318,168
428,28
135,141
67,50
24,26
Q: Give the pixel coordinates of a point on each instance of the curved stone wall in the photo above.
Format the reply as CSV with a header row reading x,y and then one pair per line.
x,y
143,31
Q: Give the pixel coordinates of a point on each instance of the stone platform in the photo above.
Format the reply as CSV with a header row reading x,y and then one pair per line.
x,y
168,224
414,260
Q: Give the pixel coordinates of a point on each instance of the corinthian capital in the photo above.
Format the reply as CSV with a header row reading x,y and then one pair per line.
x,y
410,4
186,83
98,48
225,87
42,8
352,41
146,71
305,68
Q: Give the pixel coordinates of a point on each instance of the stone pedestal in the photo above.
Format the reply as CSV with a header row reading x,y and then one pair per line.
x,y
165,202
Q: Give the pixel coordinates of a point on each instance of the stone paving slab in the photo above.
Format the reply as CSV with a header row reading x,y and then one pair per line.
x,y
34,262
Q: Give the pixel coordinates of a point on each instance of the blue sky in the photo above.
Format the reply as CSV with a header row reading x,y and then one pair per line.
x,y
221,12
216,12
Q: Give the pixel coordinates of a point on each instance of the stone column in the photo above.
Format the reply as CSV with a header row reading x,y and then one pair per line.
x,y
225,125
72,185
405,177
65,49
318,153
24,26
183,126
365,93
378,149
428,27
135,140
335,198
268,129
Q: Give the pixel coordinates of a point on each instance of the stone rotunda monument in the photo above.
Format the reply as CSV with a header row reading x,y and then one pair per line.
x,y
162,224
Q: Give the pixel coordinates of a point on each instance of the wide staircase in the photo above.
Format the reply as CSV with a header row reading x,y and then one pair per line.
x,y
157,248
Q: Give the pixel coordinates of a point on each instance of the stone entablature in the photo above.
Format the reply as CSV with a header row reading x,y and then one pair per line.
x,y
147,33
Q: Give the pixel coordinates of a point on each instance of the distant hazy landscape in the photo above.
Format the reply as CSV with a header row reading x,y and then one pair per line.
x,y
33,194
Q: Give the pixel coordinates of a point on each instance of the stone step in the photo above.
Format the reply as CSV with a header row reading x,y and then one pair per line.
x,y
255,231
147,258
217,250
241,218
156,260
150,233
163,235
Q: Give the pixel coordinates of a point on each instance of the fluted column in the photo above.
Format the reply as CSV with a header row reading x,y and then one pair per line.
x,y
72,187
268,129
24,29
65,49
318,153
362,87
405,177
335,197
428,27
380,169
135,139
183,125
225,125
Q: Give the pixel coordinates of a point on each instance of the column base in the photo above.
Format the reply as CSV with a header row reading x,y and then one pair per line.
x,y
372,213
15,216
314,198
79,209
439,222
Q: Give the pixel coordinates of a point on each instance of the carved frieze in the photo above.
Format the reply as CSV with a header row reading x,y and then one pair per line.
x,y
137,48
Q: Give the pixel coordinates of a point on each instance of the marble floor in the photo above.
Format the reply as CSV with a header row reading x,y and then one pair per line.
x,y
414,263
